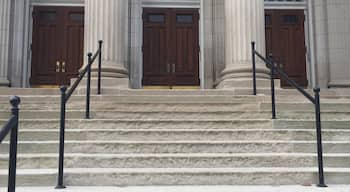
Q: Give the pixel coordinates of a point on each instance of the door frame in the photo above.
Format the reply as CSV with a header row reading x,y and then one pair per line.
x,y
28,31
174,80
136,67
310,73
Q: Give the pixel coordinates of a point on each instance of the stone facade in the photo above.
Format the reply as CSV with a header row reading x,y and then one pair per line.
x,y
224,56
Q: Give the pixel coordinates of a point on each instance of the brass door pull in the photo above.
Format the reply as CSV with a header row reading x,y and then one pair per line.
x,y
174,68
57,66
168,68
64,67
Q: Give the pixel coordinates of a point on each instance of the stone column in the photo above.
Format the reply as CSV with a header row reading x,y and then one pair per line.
x,y
244,23
5,7
107,20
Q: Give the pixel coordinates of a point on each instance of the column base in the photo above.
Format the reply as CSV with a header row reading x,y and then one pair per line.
x,y
242,77
113,75
110,71
115,83
4,82
245,83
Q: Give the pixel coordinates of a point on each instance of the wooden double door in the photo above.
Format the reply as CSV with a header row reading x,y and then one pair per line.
x,y
170,47
57,45
285,39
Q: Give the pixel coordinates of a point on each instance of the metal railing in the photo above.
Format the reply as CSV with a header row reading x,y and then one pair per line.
x,y
314,100
12,126
66,95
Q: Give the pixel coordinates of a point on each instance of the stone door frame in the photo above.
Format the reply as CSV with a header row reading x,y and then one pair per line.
x,y
136,35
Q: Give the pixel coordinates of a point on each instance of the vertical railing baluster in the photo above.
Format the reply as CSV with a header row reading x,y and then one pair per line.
x,y
15,101
254,68
99,67
319,138
88,87
272,78
60,185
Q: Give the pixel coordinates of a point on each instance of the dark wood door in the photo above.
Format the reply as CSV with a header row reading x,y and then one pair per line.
x,y
57,45
171,47
285,39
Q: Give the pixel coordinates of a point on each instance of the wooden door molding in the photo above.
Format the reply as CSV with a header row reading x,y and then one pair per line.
x,y
57,48
156,37
285,38
73,42
45,46
170,47
185,46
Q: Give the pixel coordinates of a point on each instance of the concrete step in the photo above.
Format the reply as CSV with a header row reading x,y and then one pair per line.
x,y
310,124
196,188
297,106
144,124
111,114
121,147
183,134
45,99
180,124
101,105
177,176
187,160
195,107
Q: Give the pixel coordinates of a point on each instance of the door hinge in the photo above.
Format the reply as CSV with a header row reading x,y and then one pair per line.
x,y
142,49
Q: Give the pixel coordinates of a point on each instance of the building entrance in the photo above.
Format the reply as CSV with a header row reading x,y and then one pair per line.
x,y
170,47
57,45
285,39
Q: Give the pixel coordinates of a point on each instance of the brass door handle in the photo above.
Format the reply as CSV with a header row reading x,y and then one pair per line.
x,y
63,67
174,68
168,68
57,66
281,66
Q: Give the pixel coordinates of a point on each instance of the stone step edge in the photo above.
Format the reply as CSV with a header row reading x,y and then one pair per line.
x,y
167,111
180,120
180,142
176,170
157,120
175,155
180,130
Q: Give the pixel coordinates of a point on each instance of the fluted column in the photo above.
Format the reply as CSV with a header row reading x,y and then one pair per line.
x,y
244,23
107,20
5,7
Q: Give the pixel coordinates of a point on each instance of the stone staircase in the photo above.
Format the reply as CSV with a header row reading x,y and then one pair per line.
x,y
213,137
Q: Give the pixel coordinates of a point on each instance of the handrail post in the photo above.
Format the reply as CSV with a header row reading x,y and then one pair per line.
x,y
87,111
99,67
15,101
254,68
60,185
273,96
319,138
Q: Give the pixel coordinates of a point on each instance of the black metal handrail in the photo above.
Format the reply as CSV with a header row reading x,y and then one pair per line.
x,y
12,126
65,96
314,99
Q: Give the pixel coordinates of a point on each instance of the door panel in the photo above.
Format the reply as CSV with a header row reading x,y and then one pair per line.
x,y
186,44
285,38
57,48
155,44
73,43
170,47
45,45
